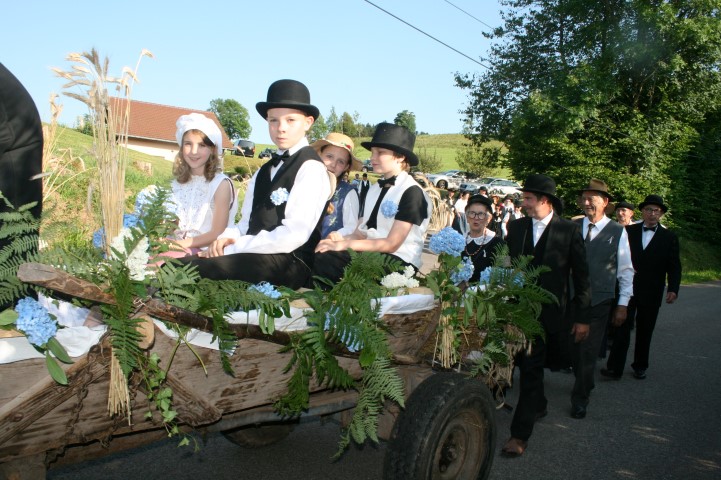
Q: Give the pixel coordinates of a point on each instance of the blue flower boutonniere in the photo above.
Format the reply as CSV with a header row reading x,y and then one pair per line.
x,y
279,196
389,209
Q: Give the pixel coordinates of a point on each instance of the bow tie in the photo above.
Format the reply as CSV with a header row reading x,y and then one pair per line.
x,y
275,159
382,182
653,229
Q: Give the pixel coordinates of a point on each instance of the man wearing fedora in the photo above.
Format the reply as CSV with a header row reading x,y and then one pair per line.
x,y
609,261
284,202
556,243
656,260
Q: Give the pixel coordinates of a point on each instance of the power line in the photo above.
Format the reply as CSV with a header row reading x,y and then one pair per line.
x,y
474,18
428,35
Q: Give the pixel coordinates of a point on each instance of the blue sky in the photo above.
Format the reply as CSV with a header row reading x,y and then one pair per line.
x,y
350,54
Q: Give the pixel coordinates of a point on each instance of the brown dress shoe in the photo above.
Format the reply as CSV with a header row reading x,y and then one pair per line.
x,y
514,447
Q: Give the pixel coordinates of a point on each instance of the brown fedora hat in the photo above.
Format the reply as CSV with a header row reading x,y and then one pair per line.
x,y
598,186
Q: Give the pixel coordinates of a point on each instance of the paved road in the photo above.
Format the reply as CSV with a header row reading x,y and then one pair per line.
x,y
665,427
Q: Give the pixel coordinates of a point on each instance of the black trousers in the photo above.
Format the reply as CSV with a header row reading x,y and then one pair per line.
x,y
645,322
280,269
586,352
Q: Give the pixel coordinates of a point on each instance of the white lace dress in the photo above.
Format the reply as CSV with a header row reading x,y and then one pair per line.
x,y
193,203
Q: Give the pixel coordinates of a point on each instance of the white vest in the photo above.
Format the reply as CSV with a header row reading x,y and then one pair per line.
x,y
412,248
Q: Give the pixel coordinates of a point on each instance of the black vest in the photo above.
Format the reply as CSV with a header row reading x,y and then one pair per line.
x,y
265,215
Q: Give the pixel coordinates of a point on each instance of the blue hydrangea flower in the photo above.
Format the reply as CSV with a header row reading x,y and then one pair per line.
x,y
447,241
389,209
35,322
266,289
279,196
129,221
463,272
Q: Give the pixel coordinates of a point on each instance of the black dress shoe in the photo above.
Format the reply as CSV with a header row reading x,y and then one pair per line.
x,y
610,374
639,374
578,411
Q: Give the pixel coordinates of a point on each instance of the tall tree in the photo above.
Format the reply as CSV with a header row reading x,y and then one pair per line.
x,y
406,119
617,89
232,116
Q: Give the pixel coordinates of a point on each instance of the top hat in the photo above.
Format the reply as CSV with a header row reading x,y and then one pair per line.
x,y
598,186
543,185
288,94
482,200
653,200
341,141
394,137
624,204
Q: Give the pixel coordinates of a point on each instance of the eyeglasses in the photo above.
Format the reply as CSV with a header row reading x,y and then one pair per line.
x,y
652,210
472,214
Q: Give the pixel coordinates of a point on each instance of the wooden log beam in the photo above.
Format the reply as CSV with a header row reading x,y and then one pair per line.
x,y
60,281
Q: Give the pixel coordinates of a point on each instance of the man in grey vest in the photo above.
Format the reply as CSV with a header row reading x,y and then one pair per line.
x,y
609,260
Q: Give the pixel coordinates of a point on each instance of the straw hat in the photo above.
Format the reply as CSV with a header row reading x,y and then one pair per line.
x,y
341,141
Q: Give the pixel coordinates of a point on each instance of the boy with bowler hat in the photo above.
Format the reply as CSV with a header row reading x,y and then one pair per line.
x,y
556,243
396,212
656,260
284,202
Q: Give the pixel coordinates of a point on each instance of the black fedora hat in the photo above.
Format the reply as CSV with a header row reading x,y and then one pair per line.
x,y
543,185
653,200
288,94
394,137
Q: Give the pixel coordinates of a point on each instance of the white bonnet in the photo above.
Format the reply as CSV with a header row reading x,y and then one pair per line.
x,y
196,121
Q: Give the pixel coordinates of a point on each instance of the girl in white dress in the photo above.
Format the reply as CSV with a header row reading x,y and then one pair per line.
x,y
203,198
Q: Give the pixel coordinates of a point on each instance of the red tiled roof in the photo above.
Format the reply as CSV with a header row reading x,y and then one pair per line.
x,y
157,122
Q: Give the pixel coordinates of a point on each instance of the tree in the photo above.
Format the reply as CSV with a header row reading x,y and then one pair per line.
x,y
232,116
616,89
406,119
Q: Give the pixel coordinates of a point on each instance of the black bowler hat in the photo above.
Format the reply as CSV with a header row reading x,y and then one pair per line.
x,y
288,94
543,185
653,200
394,137
624,204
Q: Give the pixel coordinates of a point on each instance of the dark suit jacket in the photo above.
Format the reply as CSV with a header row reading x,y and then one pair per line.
x,y
659,261
560,248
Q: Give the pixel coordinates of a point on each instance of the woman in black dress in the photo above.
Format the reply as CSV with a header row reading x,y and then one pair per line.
x,y
481,242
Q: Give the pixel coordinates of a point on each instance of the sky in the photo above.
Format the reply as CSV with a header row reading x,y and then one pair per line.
x,y
352,56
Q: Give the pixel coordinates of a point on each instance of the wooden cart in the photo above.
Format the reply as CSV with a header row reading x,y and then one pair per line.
x,y
447,429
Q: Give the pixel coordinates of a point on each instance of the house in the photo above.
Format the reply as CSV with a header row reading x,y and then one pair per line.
x,y
152,127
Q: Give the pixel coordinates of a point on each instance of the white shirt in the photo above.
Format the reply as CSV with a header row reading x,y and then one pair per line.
x,y
624,265
305,204
539,226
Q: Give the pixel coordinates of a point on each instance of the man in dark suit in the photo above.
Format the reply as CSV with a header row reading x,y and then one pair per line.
x,y
656,260
557,244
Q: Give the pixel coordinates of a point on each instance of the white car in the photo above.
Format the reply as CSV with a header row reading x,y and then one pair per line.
x,y
449,178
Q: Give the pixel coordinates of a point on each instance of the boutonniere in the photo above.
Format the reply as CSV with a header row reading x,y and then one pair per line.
x,y
389,209
279,196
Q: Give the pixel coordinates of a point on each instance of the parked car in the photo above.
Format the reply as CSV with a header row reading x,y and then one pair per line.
x,y
450,178
266,153
244,148
498,186
367,167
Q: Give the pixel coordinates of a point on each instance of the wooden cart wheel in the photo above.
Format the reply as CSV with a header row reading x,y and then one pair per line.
x,y
258,436
447,431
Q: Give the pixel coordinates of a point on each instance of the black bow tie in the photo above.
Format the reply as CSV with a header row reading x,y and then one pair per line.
x,y
382,182
275,159
653,229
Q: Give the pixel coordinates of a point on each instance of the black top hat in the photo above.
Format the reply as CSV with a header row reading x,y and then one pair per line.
x,y
624,204
394,137
482,200
653,200
288,94
543,185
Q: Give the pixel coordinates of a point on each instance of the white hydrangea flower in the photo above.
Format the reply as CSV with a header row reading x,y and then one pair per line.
x,y
137,261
